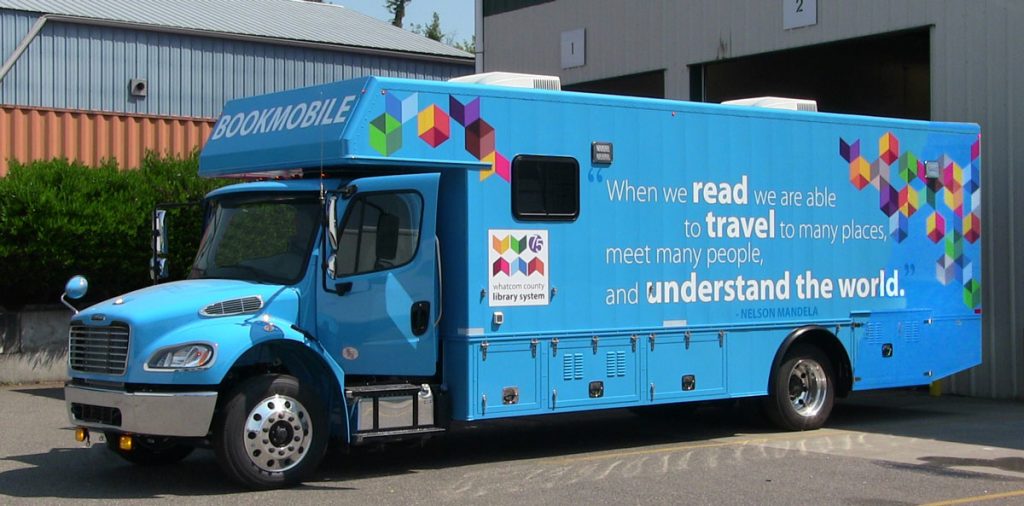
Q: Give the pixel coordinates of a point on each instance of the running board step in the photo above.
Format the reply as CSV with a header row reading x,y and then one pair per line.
x,y
394,408
394,435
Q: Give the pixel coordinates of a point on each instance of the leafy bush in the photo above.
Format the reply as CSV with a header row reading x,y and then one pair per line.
x,y
61,218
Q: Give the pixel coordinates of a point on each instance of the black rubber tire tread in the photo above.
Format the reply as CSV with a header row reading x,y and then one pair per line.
x,y
145,455
227,440
777,405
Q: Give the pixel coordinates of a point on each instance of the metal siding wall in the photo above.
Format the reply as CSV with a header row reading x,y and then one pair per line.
x,y
86,67
976,68
43,134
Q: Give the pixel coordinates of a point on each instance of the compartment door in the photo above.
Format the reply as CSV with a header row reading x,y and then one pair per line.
x,y
585,372
683,367
507,377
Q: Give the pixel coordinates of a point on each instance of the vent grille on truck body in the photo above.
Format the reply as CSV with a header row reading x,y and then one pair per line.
x,y
99,349
233,307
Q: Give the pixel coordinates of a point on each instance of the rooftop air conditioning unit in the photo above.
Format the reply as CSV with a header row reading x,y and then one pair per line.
x,y
513,80
789,104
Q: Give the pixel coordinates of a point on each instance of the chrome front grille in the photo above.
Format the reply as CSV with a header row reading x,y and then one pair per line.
x,y
234,306
99,349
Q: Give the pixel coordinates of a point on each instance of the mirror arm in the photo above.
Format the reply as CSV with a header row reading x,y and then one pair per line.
x,y
68,304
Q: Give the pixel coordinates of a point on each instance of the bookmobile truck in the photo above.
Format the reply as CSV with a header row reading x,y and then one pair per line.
x,y
421,253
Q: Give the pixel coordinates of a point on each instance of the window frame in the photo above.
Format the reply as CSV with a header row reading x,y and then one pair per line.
x,y
348,212
547,216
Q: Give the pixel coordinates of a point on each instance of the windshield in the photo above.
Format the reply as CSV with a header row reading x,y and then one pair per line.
x,y
264,238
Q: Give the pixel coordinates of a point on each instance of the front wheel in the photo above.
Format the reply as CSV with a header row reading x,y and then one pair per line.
x,y
802,391
272,432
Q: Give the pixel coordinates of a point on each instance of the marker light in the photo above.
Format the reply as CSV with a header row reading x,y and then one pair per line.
x,y
125,442
189,356
81,434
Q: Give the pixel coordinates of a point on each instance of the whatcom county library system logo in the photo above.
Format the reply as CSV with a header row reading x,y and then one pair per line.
x,y
518,246
518,271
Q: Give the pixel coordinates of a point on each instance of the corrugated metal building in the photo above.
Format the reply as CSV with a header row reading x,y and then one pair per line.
x,y
69,68
955,60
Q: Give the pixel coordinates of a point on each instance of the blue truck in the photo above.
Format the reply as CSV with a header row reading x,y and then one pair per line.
x,y
413,254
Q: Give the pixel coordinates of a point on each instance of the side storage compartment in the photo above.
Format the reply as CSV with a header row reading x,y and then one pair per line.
x,y
685,365
593,371
506,376
894,348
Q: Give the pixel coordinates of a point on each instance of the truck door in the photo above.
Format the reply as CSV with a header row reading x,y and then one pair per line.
x,y
377,313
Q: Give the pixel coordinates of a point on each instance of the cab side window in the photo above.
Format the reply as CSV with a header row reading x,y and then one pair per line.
x,y
380,231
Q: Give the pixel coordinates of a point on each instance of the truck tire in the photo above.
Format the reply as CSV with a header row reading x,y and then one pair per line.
x,y
149,450
271,432
802,390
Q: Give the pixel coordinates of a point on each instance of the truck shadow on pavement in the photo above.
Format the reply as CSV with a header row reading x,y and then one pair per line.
x,y
92,473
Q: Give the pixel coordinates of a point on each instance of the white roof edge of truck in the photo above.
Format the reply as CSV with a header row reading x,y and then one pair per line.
x,y
512,79
789,104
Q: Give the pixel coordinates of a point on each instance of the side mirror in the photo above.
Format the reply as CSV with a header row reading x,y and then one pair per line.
x,y
158,263
332,220
74,289
159,232
158,269
387,236
332,235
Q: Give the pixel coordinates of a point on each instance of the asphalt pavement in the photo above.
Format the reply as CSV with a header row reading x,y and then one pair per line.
x,y
882,448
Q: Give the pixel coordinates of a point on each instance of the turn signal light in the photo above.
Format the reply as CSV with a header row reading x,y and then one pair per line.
x,y
81,434
125,443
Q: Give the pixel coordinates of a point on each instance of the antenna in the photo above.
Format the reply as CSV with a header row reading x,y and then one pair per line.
x,y
322,192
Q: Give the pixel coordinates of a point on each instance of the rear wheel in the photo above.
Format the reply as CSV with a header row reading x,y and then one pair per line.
x,y
148,450
271,433
802,391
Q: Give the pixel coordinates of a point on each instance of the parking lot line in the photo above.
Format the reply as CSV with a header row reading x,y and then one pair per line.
x,y
978,498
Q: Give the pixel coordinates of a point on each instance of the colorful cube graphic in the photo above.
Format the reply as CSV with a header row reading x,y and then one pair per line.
x,y
386,134
945,270
860,172
480,139
434,126
954,245
888,148
972,293
464,114
849,152
888,199
401,109
935,226
910,201
908,166
499,165
972,227
898,227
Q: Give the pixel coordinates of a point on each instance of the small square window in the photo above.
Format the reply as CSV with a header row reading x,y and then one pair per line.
x,y
545,188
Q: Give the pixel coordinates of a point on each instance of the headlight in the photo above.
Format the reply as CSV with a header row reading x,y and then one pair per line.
x,y
189,356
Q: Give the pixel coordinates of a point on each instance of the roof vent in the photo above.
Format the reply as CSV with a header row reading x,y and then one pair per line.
x,y
789,104
513,80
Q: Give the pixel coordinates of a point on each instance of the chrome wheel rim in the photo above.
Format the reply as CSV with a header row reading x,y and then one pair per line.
x,y
808,387
277,433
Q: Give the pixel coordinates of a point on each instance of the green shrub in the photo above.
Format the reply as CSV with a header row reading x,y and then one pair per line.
x,y
61,218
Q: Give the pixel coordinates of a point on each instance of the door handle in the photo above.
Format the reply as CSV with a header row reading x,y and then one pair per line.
x,y
343,287
420,317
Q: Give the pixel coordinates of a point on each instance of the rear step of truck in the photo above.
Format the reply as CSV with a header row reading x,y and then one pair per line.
x,y
392,412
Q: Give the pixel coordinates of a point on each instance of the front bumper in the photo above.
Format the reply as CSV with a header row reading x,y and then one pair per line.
x,y
182,414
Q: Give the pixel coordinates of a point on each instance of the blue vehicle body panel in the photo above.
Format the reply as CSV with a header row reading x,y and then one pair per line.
x,y
714,233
